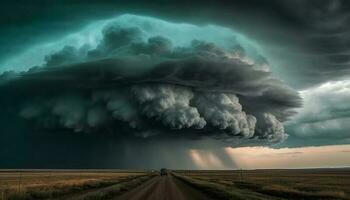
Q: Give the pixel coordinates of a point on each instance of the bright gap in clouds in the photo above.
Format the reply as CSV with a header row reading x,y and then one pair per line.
x,y
303,157
270,158
205,159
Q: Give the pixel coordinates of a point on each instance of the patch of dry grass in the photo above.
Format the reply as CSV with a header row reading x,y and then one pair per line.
x,y
285,184
33,184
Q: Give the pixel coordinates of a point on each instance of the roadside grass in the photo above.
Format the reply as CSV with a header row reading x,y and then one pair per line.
x,y
61,185
223,192
110,192
54,191
272,184
291,193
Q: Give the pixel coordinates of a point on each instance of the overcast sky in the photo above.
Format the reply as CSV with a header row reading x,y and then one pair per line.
x,y
106,79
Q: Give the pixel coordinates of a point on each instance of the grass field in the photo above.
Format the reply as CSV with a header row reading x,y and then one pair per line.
x,y
67,184
272,184
235,184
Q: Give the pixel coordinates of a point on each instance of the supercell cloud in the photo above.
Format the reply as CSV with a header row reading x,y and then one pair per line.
x,y
147,78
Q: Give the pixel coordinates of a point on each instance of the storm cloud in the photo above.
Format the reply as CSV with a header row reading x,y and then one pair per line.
x,y
94,83
133,84
305,41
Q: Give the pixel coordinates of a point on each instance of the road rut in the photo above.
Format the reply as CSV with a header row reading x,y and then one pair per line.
x,y
163,188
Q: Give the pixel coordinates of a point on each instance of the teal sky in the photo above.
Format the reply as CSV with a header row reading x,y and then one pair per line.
x,y
301,49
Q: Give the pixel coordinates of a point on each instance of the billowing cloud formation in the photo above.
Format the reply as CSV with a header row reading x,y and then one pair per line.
x,y
133,84
224,111
169,104
306,42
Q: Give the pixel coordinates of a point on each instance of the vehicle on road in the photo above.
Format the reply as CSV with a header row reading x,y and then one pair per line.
x,y
163,172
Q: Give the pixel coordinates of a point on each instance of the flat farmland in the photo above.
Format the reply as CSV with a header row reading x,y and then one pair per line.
x,y
67,184
272,184
177,185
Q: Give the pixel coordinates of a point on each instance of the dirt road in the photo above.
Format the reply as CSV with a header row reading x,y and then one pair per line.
x,y
163,188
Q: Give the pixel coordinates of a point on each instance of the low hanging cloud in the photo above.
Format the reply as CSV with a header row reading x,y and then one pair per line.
x,y
224,112
134,85
169,104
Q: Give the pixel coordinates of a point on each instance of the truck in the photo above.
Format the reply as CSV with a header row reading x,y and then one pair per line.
x,y
163,172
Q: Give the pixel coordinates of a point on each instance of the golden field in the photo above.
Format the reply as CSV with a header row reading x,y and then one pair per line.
x,y
272,184
65,184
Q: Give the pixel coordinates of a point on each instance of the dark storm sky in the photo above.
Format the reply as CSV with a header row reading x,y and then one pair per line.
x,y
314,31
308,43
